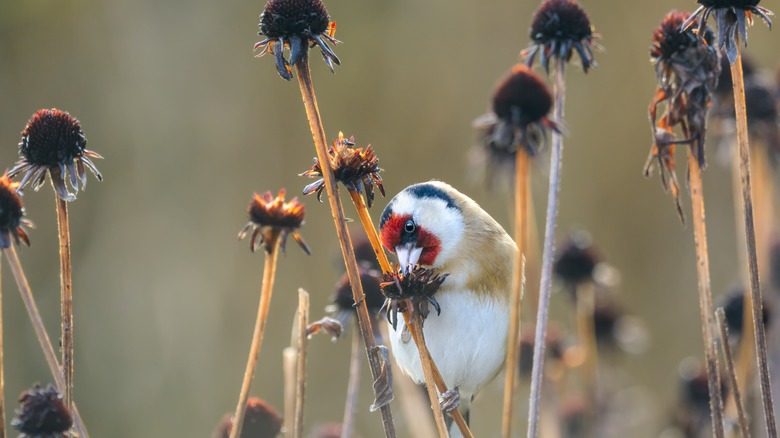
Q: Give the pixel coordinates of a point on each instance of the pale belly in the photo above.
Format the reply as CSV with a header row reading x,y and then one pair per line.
x,y
467,341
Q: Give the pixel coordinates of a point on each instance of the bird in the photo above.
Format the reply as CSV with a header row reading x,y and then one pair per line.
x,y
433,225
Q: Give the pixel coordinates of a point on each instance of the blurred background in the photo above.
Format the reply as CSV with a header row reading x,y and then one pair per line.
x,y
191,124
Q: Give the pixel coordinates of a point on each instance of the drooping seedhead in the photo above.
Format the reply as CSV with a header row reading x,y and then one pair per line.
x,y
577,259
731,18
358,169
42,413
11,214
558,28
669,39
416,287
261,421
53,143
297,24
271,218
343,301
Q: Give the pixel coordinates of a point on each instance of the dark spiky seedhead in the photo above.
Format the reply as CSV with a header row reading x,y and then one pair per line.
x,y
669,39
733,305
729,3
558,28
52,138
42,414
522,97
271,218
416,286
577,259
370,279
261,421
11,214
288,18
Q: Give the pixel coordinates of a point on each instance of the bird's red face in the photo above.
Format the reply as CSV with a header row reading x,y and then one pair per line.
x,y
411,242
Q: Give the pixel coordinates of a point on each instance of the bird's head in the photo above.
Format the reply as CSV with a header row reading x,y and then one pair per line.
x,y
423,224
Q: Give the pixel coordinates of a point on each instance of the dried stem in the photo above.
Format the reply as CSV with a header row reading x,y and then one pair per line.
x,y
545,288
586,303
337,211
750,241
353,388
269,272
705,294
300,377
438,380
289,358
724,343
515,309
66,295
2,367
40,333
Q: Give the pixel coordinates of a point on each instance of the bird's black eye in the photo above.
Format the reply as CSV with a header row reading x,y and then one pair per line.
x,y
409,227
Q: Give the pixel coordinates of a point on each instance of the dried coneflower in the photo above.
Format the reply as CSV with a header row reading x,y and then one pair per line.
x,y
12,220
54,144
358,169
42,414
296,24
272,219
261,421
576,260
415,288
733,304
558,28
687,67
343,304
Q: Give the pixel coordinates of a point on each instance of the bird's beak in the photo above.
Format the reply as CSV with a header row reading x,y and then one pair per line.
x,y
408,255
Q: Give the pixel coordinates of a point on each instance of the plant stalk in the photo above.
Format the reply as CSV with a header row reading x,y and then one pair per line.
x,y
724,343
66,295
318,134
289,367
2,366
545,289
353,388
269,273
585,298
705,294
515,303
40,333
750,240
302,344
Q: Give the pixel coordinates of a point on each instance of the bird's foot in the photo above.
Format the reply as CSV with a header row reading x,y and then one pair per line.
x,y
450,400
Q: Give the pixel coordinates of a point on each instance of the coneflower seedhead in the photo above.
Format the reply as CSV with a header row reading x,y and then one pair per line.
x,y
731,16
558,28
519,117
11,214
576,260
296,24
687,67
733,304
271,218
417,285
53,143
261,421
343,306
358,169
42,414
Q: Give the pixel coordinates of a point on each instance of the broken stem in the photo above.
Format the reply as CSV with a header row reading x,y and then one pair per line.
x,y
66,295
724,343
750,241
289,357
269,272
515,303
300,375
40,333
337,212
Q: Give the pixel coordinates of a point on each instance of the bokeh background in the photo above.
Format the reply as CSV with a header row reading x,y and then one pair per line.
x,y
191,124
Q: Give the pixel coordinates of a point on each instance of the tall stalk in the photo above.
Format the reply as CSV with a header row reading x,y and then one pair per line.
x,y
2,366
515,303
545,288
66,295
723,328
705,295
303,75
269,273
301,347
353,386
750,241
40,333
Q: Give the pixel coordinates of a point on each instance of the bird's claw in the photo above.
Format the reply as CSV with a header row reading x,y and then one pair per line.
x,y
450,400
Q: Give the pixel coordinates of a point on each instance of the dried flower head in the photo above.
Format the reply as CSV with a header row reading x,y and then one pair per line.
x,y
343,304
577,259
358,169
271,218
558,28
42,414
415,287
687,67
733,304
261,421
296,24
12,221
521,105
731,16
53,143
